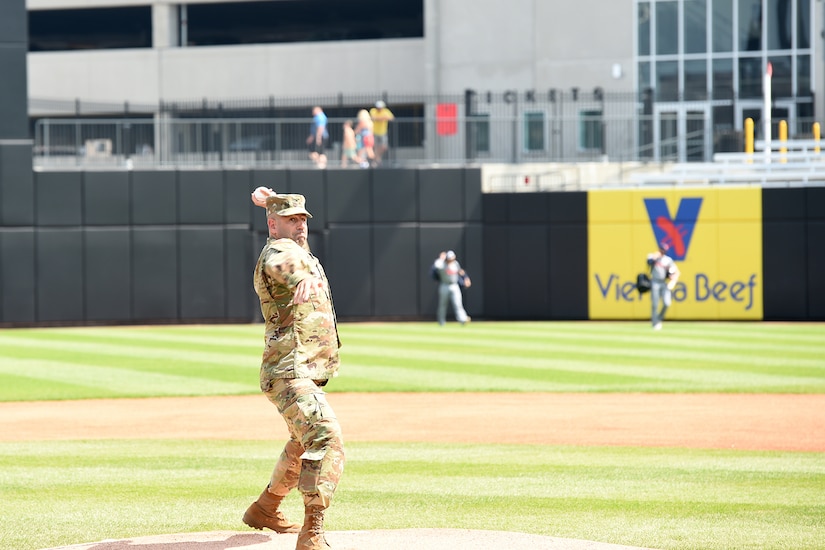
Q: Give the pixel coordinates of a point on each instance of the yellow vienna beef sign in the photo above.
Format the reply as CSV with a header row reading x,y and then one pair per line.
x,y
714,235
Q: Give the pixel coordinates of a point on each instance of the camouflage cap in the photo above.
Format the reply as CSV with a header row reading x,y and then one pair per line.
x,y
286,205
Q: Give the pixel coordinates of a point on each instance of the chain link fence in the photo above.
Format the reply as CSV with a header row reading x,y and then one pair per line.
x,y
476,127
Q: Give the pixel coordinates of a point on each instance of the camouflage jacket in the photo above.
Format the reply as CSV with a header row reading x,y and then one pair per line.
x,y
300,340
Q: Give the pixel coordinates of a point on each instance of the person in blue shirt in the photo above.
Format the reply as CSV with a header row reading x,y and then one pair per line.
x,y
318,138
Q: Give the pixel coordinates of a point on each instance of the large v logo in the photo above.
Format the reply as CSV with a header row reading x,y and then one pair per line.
x,y
677,231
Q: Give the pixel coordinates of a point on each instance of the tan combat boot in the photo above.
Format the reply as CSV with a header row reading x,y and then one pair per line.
x,y
264,513
312,533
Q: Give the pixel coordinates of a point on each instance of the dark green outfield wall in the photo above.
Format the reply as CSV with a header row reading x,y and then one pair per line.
x,y
179,246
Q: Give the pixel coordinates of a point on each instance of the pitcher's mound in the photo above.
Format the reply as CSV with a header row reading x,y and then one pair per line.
x,y
395,539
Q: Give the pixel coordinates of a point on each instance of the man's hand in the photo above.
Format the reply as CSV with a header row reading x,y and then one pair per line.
x,y
671,285
306,288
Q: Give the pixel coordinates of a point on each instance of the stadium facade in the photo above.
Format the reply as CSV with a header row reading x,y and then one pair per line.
x,y
695,67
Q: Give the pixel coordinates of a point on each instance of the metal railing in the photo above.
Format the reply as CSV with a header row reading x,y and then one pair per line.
x,y
164,141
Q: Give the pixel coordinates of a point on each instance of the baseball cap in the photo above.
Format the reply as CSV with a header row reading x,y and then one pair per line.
x,y
286,205
663,246
380,104
450,255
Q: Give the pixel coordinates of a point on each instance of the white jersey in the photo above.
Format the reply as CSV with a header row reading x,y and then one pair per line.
x,y
660,267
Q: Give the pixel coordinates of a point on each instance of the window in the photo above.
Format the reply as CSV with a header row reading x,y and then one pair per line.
x,y
667,28
723,79
695,28
781,82
281,21
803,71
803,12
780,25
591,131
696,80
644,28
480,132
534,131
750,78
722,26
667,81
84,29
750,25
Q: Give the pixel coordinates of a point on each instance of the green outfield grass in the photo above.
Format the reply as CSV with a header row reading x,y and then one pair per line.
x,y
66,492
81,363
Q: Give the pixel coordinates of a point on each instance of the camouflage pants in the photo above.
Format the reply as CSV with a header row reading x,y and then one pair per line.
x,y
313,458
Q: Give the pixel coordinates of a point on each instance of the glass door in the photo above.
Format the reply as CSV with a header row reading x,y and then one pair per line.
x,y
681,132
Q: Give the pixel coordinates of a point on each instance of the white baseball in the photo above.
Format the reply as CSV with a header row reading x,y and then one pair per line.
x,y
260,194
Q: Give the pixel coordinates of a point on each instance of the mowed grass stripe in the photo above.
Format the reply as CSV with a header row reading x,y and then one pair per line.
x,y
518,374
655,498
167,353
694,353
120,382
485,356
171,341
813,333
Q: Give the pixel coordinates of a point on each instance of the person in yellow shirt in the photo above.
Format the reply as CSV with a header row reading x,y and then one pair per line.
x,y
381,116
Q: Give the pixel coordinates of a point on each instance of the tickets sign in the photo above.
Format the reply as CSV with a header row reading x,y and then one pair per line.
x,y
714,235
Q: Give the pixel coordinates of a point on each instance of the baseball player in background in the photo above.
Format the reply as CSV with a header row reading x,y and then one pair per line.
x,y
663,276
300,356
451,278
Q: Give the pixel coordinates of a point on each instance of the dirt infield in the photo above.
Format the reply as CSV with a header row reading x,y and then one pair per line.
x,y
713,421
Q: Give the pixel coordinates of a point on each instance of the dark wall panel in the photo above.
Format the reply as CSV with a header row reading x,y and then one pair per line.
x,y
16,184
59,275
349,197
567,207
816,266
108,274
473,264
312,185
567,268
496,273
201,197
278,181
106,198
441,195
17,279
394,252
14,120
783,204
347,264
155,274
567,247
495,208
527,208
395,195
815,203
527,271
472,195
154,197
59,198
237,201
240,264
784,245
202,278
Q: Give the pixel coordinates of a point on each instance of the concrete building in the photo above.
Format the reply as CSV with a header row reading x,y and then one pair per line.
x,y
695,67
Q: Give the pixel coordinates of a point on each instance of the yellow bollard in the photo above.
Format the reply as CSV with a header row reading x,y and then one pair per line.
x,y
749,138
816,136
783,138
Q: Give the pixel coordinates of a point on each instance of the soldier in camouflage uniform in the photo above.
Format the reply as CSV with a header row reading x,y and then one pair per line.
x,y
300,356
